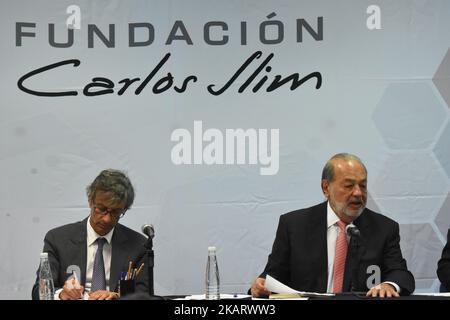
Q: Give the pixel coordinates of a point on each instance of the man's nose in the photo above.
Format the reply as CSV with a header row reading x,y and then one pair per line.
x,y
357,192
107,217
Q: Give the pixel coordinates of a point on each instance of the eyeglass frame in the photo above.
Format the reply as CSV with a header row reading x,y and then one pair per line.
x,y
112,212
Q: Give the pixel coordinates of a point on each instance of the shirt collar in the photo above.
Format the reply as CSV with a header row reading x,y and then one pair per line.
x,y
92,235
332,217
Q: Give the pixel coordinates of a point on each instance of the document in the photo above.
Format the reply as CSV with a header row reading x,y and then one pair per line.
x,y
282,291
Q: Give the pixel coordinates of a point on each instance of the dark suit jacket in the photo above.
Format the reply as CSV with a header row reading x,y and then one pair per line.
x,y
299,253
67,245
443,270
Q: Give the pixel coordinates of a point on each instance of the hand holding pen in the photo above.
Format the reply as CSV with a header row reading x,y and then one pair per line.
x,y
72,289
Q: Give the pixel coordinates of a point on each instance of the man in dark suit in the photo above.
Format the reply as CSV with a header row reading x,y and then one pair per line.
x,y
313,251
75,246
443,270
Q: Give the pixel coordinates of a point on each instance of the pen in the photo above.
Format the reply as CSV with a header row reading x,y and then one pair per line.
x,y
140,269
77,283
75,275
129,270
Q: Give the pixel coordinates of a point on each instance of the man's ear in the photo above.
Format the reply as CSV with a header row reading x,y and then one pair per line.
x,y
325,185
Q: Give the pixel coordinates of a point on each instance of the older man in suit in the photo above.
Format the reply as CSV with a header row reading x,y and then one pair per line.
x,y
99,246
311,250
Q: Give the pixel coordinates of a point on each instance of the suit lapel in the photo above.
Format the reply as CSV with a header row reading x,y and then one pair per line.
x,y
362,224
79,248
118,256
318,240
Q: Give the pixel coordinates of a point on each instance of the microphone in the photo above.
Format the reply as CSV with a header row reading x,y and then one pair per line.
x,y
355,252
352,230
148,230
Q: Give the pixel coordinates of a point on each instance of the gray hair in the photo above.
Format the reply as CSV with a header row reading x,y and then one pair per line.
x,y
328,170
116,184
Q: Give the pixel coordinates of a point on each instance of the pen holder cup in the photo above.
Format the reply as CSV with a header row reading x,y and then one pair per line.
x,y
126,287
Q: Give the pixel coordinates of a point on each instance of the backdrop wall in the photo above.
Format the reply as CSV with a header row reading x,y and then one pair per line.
x,y
366,77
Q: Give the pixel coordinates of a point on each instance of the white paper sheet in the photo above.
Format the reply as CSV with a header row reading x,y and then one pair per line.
x,y
273,285
433,294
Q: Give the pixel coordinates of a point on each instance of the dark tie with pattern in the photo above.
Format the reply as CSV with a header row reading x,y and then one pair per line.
x,y
98,274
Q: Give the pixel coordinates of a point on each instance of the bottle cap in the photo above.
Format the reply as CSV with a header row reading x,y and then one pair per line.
x,y
44,255
211,248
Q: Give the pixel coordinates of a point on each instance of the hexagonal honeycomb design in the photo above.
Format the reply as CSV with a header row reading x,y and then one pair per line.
x,y
422,249
442,219
409,186
442,149
441,78
409,115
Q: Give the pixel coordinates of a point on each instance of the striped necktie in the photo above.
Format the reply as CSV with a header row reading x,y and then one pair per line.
x,y
98,274
339,258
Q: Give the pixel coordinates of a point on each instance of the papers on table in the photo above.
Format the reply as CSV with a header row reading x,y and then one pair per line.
x,y
282,291
433,294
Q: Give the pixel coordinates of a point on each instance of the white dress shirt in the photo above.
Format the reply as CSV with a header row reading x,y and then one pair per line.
x,y
92,250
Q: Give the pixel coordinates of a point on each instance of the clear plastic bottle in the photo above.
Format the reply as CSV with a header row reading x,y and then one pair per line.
x,y
46,286
212,276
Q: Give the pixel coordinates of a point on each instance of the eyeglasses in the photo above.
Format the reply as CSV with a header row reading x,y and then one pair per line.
x,y
114,213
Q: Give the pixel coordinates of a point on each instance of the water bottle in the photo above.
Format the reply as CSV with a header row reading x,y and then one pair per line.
x,y
212,276
46,287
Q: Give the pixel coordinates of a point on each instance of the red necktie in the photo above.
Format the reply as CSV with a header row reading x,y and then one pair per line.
x,y
339,258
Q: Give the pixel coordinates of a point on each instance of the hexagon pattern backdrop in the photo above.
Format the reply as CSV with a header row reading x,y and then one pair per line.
x,y
383,94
